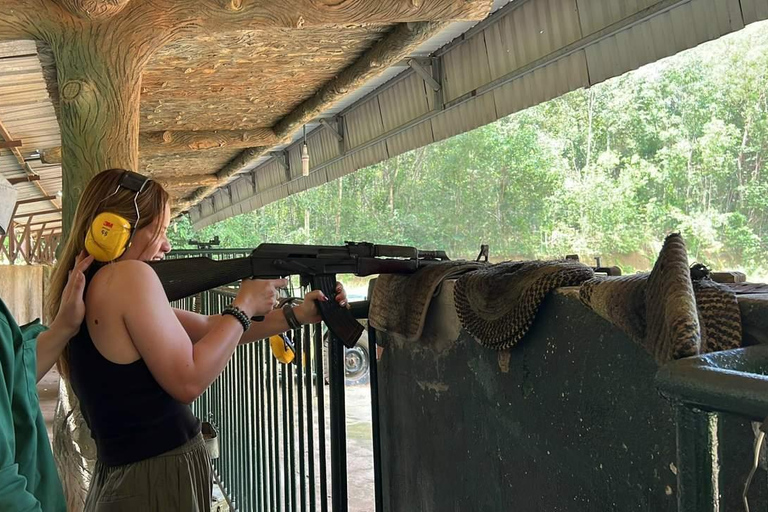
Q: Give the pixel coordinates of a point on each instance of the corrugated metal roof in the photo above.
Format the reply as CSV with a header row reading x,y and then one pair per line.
x,y
682,27
754,10
27,114
528,52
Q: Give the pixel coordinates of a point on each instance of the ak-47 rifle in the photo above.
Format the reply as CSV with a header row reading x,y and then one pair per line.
x,y
317,265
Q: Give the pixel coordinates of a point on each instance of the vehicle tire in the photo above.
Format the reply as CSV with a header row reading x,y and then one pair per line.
x,y
357,362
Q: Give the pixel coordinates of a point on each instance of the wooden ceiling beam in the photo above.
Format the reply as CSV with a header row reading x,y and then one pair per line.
x,y
228,15
5,135
394,47
36,200
8,144
207,180
179,141
30,214
26,179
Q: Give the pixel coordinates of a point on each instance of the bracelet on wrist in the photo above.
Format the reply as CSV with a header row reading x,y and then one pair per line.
x,y
290,317
239,315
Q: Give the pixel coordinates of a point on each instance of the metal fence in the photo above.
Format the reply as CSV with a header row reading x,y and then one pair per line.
x,y
280,433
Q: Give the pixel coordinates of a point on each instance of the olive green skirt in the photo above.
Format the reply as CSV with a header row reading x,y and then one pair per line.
x,y
178,480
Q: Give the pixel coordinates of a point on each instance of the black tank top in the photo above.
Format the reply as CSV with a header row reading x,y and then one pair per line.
x,y
130,415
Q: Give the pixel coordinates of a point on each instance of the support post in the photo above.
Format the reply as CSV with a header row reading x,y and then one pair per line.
x,y
697,461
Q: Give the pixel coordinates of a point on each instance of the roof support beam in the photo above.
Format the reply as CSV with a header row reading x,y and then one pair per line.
x,y
333,129
7,144
394,47
178,141
424,74
26,179
243,14
36,200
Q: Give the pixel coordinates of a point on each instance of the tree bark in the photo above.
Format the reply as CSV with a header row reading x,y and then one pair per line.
x,y
253,14
94,9
180,141
99,66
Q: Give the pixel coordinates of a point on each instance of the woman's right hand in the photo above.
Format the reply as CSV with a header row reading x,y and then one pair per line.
x,y
257,297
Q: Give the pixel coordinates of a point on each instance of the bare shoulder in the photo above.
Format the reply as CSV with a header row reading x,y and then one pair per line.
x,y
129,277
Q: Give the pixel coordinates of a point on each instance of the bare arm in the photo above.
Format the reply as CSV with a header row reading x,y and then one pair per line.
x,y
182,368
71,312
197,325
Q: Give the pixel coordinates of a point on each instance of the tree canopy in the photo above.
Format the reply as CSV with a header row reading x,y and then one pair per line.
x,y
679,145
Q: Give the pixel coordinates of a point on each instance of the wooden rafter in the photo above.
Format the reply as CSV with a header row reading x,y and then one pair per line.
x,y
6,136
394,47
7,144
178,141
45,212
34,17
26,179
36,200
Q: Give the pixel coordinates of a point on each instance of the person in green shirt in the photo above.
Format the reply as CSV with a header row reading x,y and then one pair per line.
x,y
29,481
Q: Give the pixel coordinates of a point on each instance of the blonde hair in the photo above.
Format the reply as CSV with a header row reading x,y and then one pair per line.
x,y
151,203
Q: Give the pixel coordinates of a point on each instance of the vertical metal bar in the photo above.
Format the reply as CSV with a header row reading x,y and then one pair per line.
x,y
375,426
276,432
270,433
242,453
262,481
292,429
338,425
303,360
697,461
286,431
310,422
245,390
321,422
253,419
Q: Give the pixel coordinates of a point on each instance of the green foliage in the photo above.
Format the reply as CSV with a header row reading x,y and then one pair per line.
x,y
678,145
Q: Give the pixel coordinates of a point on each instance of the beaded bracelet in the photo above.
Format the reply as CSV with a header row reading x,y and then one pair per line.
x,y
239,314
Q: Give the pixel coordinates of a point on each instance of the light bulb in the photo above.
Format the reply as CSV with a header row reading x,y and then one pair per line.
x,y
304,160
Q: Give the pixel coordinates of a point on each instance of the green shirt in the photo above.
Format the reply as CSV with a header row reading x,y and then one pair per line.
x,y
28,478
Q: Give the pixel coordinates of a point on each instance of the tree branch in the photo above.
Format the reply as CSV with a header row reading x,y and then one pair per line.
x,y
181,141
94,9
18,19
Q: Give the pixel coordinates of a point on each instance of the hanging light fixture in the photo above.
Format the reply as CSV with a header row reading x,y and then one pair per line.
x,y
305,155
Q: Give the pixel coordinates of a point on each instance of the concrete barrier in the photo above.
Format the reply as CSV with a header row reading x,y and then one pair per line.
x,y
22,288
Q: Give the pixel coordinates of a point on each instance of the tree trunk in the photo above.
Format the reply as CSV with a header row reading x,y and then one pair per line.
x,y
338,209
100,83
590,111
99,74
392,180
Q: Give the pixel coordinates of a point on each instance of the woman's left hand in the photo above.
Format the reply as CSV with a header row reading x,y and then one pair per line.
x,y
72,308
308,312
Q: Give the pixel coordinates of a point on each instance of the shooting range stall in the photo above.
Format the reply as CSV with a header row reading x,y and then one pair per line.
x,y
216,99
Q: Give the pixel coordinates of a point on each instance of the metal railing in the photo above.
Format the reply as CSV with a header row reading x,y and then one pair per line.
x,y
701,387
281,430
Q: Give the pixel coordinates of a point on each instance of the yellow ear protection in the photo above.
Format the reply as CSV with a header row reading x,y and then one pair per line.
x,y
110,234
282,348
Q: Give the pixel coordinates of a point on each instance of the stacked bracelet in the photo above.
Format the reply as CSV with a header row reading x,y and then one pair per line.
x,y
239,314
290,317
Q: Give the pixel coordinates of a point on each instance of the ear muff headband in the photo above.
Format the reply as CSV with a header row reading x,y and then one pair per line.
x,y
110,234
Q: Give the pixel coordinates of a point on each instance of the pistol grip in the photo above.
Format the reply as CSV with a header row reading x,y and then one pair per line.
x,y
339,320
